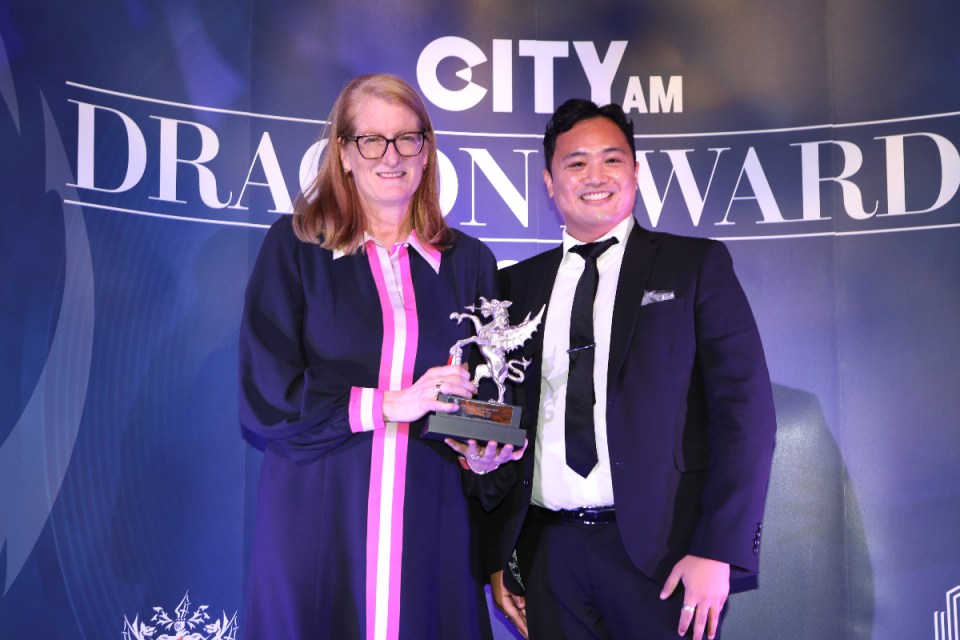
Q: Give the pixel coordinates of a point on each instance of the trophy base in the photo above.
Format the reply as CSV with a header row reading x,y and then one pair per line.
x,y
476,420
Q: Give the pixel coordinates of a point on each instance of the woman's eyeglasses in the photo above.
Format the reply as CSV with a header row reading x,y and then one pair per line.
x,y
374,147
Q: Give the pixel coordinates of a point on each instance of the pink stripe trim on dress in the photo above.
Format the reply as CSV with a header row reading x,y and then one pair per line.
x,y
389,455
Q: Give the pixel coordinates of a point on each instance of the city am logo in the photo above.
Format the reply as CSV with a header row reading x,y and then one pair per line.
x,y
184,625
550,58
947,623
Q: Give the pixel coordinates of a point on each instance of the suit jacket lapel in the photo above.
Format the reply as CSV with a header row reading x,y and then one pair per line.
x,y
637,262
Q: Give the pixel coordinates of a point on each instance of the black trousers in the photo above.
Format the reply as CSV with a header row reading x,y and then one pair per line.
x,y
581,585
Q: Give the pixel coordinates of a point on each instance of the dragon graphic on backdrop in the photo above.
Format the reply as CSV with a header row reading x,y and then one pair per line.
x,y
37,451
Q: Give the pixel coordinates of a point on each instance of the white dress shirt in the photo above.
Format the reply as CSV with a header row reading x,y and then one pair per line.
x,y
555,485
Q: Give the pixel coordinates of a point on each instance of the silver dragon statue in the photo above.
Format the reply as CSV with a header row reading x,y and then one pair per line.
x,y
495,339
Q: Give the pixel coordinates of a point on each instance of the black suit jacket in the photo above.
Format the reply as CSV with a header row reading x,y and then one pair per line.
x,y
690,417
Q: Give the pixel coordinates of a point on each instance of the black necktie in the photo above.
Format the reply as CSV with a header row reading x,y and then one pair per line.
x,y
580,439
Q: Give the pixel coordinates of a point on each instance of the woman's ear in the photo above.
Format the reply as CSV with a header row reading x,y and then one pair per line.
x,y
344,161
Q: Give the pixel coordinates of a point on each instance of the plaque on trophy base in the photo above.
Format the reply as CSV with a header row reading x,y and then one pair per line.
x,y
477,419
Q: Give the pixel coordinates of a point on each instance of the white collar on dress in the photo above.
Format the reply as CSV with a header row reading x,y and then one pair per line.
x,y
431,255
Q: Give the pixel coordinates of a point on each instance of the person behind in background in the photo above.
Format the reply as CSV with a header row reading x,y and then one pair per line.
x,y
652,410
362,527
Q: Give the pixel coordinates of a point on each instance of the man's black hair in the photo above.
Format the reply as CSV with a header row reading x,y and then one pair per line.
x,y
577,110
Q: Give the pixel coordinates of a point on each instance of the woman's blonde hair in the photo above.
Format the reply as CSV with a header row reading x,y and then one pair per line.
x,y
329,211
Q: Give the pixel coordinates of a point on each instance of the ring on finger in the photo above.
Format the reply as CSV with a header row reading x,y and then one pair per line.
x,y
437,386
475,456
689,608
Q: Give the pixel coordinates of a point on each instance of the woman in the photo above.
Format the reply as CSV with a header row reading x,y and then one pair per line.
x,y
362,528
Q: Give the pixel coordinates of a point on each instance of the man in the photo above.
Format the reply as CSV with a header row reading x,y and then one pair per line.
x,y
648,407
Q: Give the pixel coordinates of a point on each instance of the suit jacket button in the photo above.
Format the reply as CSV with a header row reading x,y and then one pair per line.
x,y
526,482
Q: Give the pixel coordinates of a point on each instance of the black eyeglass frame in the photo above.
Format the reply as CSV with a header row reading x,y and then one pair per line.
x,y
388,142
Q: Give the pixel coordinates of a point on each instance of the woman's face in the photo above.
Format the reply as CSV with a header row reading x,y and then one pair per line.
x,y
387,183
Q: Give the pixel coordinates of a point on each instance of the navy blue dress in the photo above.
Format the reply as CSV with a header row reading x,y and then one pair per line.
x,y
362,528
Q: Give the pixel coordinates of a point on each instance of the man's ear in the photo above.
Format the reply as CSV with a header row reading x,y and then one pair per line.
x,y
548,180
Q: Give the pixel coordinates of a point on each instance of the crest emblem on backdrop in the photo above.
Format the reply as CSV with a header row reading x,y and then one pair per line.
x,y
183,625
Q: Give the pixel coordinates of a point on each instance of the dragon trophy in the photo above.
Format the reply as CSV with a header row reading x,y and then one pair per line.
x,y
478,419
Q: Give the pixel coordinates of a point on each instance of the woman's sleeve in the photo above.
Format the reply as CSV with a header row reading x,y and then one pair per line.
x,y
305,411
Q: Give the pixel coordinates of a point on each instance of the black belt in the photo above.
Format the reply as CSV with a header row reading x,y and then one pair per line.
x,y
583,515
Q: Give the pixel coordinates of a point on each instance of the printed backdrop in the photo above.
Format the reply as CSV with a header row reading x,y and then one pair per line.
x,y
147,144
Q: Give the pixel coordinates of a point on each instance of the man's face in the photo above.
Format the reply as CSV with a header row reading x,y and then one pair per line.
x,y
593,178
